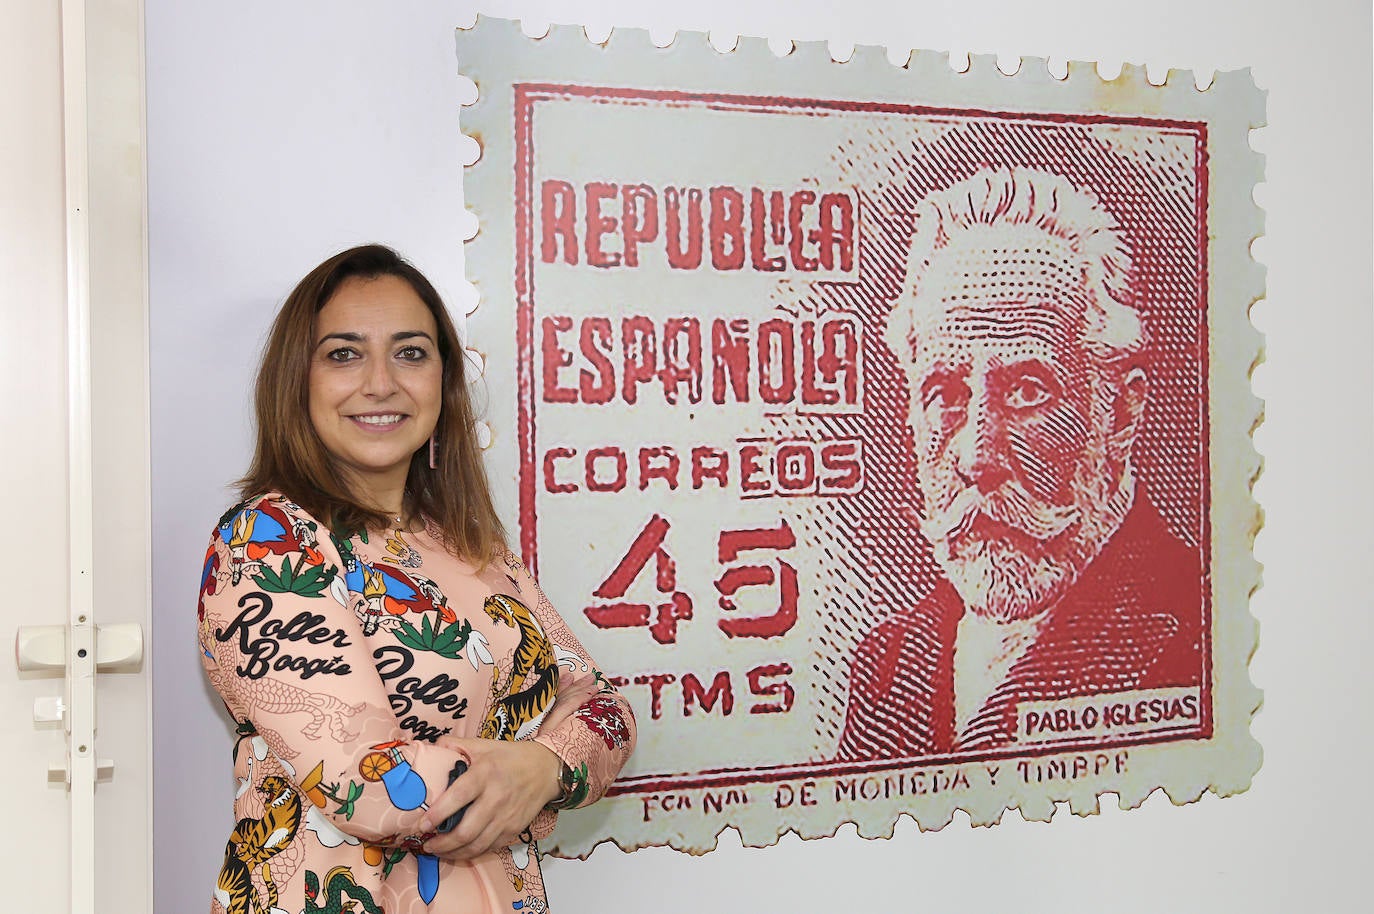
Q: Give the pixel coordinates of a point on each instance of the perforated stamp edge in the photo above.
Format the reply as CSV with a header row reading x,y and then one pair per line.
x,y
495,54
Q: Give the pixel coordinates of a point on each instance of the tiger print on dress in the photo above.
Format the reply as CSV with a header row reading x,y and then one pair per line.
x,y
534,670
254,842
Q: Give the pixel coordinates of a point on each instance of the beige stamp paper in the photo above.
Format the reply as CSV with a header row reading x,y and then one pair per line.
x,y
884,430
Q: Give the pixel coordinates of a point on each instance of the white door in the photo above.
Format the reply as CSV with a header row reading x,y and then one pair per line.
x,y
73,418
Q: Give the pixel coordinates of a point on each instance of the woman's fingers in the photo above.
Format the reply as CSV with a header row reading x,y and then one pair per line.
x,y
504,787
455,799
487,837
485,826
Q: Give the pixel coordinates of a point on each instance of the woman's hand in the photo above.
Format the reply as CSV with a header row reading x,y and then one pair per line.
x,y
504,788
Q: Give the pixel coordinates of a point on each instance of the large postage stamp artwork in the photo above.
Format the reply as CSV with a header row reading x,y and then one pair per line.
x,y
884,430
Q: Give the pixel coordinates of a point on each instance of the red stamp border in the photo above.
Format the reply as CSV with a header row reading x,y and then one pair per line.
x,y
527,95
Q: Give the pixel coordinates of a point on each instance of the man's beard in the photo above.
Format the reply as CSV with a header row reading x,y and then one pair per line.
x,y
1001,581
1010,555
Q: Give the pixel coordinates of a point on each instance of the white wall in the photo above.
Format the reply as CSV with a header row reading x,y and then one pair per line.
x,y
280,132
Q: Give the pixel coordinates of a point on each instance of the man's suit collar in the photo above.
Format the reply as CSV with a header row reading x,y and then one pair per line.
x,y
1103,636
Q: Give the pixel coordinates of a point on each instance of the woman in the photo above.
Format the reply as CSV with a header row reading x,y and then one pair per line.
x,y
410,708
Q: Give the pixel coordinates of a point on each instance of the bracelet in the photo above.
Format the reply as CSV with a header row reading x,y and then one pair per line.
x,y
567,784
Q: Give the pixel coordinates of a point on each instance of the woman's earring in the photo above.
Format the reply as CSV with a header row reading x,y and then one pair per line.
x,y
433,453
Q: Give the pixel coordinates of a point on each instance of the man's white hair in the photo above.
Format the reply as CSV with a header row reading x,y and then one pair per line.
x,y
1048,202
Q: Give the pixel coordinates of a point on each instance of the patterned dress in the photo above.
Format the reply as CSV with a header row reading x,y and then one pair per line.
x,y
345,662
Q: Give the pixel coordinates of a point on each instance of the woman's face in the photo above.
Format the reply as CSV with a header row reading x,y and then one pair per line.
x,y
376,381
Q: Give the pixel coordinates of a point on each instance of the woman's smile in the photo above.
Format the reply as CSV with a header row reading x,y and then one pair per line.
x,y
382,422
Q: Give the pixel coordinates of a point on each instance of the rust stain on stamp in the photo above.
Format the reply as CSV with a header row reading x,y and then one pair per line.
x,y
885,429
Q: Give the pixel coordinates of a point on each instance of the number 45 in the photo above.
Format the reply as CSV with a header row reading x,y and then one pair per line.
x,y
662,619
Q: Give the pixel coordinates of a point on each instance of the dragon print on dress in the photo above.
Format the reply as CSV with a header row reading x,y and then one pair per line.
x,y
253,843
273,696
338,882
520,703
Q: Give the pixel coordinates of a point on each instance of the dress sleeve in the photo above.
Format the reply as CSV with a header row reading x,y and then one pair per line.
x,y
281,641
591,726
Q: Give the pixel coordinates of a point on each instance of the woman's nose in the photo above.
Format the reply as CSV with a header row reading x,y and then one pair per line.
x,y
378,380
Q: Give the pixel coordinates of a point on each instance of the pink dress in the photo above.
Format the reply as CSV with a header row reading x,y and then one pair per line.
x,y
344,663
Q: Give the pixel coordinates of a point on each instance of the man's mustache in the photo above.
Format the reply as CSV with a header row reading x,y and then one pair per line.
x,y
1010,504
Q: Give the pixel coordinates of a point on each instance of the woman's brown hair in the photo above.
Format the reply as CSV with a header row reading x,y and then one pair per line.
x,y
291,459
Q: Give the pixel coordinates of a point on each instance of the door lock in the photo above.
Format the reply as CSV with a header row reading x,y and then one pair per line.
x,y
43,648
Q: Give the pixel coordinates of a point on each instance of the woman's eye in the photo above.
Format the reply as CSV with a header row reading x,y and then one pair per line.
x,y
342,354
1026,393
412,354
